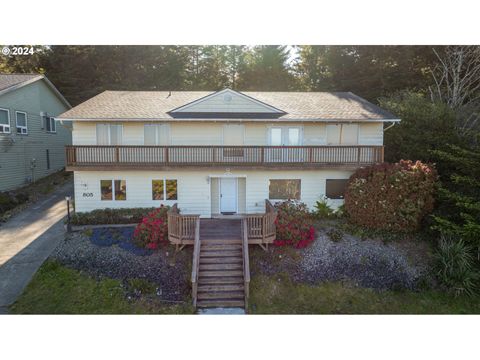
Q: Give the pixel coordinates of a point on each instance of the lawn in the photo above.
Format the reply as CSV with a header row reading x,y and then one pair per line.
x,y
279,295
56,289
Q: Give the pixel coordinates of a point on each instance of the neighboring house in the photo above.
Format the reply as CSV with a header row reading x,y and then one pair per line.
x,y
219,153
31,142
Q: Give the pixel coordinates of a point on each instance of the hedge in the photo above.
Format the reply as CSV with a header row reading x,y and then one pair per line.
x,y
111,216
391,196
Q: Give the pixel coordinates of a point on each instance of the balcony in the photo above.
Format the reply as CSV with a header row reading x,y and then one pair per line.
x,y
132,157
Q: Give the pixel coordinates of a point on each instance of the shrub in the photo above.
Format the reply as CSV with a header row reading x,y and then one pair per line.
x,y
455,266
153,230
391,196
294,224
111,216
335,235
323,210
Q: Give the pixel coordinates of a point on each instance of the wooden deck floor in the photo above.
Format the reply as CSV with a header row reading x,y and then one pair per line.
x,y
220,229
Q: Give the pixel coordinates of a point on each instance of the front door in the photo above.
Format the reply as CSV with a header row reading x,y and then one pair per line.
x,y
228,195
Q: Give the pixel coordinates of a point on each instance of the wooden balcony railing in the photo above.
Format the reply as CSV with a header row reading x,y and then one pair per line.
x,y
137,157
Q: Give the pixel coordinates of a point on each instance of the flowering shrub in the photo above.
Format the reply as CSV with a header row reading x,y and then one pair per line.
x,y
153,229
391,196
294,224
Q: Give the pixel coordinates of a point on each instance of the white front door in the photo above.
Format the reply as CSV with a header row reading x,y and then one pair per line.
x,y
228,195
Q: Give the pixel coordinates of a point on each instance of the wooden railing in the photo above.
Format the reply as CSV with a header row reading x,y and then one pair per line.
x,y
130,156
261,228
246,261
181,228
196,261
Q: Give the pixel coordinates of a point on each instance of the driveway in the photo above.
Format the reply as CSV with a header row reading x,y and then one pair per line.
x,y
27,239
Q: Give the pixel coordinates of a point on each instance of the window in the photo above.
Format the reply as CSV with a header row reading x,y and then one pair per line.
x,y
164,189
342,134
113,189
21,120
50,124
284,189
48,159
156,134
109,134
285,135
4,121
335,188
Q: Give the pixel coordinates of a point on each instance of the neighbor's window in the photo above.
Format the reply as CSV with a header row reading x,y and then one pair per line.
x,y
4,121
50,125
284,189
113,189
164,189
335,188
21,120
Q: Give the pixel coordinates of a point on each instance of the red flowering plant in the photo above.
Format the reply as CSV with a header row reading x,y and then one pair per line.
x,y
294,224
152,230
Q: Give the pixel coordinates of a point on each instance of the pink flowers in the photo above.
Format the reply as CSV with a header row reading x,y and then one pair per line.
x,y
294,225
152,230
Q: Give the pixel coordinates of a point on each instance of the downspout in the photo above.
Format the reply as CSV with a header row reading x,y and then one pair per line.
x,y
390,126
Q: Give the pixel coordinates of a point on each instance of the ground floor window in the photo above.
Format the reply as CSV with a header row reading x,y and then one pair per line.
x,y
335,188
109,188
164,189
284,189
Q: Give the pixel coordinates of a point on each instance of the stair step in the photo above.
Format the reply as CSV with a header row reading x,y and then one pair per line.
x,y
220,280
220,241
221,287
220,253
220,303
220,247
221,260
226,295
211,273
220,267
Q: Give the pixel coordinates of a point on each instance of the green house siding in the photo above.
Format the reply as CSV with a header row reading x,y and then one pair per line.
x,y
16,151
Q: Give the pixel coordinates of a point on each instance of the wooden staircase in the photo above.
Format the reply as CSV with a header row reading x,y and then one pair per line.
x,y
221,265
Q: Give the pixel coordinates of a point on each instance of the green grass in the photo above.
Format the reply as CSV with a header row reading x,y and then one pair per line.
x,y
279,295
56,289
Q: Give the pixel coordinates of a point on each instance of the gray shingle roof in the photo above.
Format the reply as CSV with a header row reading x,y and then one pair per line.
x,y
9,80
155,105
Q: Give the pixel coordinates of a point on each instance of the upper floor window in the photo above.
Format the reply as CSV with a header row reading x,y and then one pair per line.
x,y
21,122
4,121
156,134
109,134
285,136
50,125
342,134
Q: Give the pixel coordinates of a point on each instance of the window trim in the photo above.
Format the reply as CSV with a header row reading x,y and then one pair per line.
x,y
300,197
164,179
112,180
6,125
49,119
22,127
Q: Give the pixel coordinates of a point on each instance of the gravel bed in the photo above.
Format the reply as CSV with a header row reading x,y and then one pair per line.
x,y
367,263
163,267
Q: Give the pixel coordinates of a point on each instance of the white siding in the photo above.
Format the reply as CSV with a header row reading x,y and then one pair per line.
x,y
314,134
370,134
194,188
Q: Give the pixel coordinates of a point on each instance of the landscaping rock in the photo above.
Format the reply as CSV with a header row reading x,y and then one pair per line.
x,y
119,262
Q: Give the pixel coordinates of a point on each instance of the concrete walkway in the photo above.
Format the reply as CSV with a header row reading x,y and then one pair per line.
x,y
26,240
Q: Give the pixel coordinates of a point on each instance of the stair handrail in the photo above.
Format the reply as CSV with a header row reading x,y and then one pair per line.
x,y
196,261
246,261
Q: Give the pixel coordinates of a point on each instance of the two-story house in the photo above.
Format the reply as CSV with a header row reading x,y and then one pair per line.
x,y
219,153
31,142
